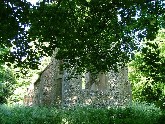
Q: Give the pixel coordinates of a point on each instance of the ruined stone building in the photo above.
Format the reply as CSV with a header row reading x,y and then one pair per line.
x,y
54,87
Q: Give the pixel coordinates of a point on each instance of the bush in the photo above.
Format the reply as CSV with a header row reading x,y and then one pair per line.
x,y
29,115
162,118
137,113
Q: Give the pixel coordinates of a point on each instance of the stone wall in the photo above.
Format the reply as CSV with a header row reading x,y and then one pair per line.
x,y
54,87
48,87
108,89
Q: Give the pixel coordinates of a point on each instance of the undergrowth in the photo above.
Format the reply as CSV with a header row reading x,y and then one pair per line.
x,y
136,113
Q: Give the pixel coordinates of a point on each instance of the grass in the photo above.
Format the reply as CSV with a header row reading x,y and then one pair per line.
x,y
136,113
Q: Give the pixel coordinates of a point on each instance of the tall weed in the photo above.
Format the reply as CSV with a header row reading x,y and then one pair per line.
x,y
135,113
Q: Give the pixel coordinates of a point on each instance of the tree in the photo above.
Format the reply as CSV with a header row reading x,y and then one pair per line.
x,y
148,71
14,84
7,84
88,34
13,20
7,81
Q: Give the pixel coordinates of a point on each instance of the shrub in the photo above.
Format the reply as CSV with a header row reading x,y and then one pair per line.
x,y
136,113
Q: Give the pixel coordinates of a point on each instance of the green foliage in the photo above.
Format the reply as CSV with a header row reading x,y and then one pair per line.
x,y
24,81
88,33
7,80
29,115
13,21
147,72
87,115
7,84
13,15
137,113
162,118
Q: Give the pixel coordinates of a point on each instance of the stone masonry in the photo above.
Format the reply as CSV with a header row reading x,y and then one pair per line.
x,y
55,87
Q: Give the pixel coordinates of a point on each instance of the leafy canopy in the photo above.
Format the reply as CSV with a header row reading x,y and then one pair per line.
x,y
95,35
